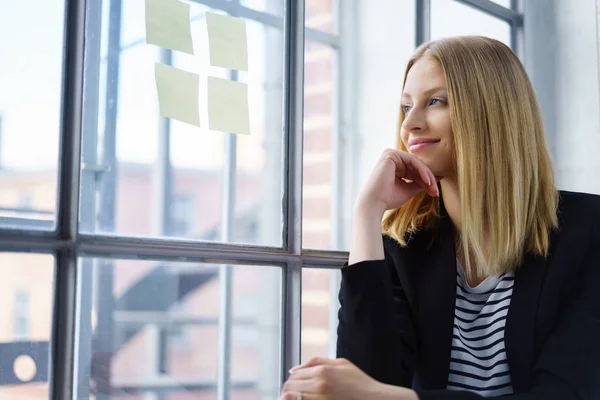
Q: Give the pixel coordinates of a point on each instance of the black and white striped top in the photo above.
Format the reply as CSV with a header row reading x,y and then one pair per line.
x,y
478,358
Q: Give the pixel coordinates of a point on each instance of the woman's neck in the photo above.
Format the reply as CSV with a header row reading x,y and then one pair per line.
x,y
451,197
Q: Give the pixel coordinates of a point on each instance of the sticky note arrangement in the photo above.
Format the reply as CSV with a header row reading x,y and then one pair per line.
x,y
227,100
177,93
168,26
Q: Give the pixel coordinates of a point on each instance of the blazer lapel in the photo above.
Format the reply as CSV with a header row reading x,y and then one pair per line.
x,y
436,300
519,334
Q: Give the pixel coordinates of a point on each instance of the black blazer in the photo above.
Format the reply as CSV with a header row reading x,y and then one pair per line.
x,y
397,314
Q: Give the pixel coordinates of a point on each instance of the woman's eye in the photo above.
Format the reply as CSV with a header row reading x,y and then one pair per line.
x,y
435,101
406,109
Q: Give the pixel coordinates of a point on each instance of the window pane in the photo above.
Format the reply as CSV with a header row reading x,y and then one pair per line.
x,y
30,78
269,6
154,328
319,312
321,15
25,321
319,128
144,193
451,18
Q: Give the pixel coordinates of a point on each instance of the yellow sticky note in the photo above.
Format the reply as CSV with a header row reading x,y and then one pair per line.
x,y
177,93
168,25
227,41
228,106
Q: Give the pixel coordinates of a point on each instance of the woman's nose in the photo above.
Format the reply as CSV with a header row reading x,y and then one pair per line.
x,y
414,120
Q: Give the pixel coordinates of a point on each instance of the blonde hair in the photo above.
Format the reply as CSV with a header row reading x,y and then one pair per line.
x,y
504,170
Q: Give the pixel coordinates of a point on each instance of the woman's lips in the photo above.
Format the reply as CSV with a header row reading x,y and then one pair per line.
x,y
422,145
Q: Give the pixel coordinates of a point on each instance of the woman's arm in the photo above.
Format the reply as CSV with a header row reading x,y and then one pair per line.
x,y
367,243
376,328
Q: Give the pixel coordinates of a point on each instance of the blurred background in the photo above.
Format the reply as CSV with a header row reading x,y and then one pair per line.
x,y
184,330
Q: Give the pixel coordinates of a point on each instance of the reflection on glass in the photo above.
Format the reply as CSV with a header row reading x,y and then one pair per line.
x,y
154,328
158,177
26,320
319,125
30,78
319,312
448,19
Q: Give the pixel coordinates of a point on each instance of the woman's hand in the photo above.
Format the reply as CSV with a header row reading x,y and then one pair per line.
x,y
339,379
387,187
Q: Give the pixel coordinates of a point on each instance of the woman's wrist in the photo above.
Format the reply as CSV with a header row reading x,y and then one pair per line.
x,y
368,209
367,243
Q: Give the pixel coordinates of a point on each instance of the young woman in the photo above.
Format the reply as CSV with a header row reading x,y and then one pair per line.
x,y
486,282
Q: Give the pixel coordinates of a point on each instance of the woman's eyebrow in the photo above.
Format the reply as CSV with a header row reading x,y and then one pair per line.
x,y
407,95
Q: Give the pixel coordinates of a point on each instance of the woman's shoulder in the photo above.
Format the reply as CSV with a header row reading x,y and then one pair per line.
x,y
578,209
418,241
579,199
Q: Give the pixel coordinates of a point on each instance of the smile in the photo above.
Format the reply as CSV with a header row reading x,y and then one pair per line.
x,y
422,145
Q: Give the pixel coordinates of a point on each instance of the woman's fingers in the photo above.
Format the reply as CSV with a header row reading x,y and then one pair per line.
x,y
308,385
412,168
299,395
317,361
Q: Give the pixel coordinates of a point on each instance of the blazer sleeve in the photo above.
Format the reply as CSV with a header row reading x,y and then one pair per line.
x,y
376,329
568,367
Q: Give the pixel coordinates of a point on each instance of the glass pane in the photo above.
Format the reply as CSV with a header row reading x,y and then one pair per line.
x,y
321,15
168,178
30,78
154,328
269,6
451,18
320,289
26,321
319,130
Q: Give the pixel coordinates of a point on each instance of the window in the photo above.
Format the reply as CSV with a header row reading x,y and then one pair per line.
x,y
446,13
146,160
26,318
21,316
30,110
182,215
185,255
168,322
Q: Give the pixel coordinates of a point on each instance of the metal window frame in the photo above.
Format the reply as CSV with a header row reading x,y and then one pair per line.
x,y
510,15
513,16
67,244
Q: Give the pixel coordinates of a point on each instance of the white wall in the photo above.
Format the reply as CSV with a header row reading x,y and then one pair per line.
x,y
562,57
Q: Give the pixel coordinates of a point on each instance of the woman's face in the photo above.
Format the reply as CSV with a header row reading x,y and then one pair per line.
x,y
426,131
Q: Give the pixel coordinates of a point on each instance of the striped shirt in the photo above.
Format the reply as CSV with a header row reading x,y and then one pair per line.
x,y
478,358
